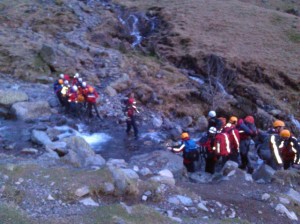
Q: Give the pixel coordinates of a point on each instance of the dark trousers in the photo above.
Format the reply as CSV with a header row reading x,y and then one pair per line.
x,y
60,98
190,166
244,149
210,163
287,164
132,123
90,107
234,155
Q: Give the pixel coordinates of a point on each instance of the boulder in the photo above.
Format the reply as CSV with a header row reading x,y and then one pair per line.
x,y
228,167
290,214
163,180
9,97
125,181
40,137
31,110
202,123
80,153
264,173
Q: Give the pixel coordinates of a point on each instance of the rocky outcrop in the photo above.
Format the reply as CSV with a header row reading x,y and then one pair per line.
x,y
8,98
31,110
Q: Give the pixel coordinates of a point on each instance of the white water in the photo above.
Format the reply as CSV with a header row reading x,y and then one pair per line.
x,y
95,140
196,79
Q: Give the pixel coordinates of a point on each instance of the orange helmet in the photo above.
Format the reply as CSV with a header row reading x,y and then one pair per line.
x,y
285,134
184,135
278,123
249,119
91,89
60,81
233,120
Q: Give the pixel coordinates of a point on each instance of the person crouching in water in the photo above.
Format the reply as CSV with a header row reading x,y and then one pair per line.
x,y
190,152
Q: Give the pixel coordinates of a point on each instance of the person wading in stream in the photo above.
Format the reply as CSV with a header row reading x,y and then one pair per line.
x,y
130,112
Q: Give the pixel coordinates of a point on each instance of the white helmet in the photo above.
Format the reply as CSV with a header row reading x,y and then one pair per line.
x,y
80,80
74,88
66,82
83,84
212,113
76,75
212,130
62,76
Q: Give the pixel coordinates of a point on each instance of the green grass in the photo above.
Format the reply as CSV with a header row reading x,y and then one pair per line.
x,y
294,36
9,215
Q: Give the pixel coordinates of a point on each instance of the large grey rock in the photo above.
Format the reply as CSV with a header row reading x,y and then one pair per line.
x,y
180,199
264,172
30,110
228,167
125,181
290,214
40,137
202,123
9,97
159,160
80,154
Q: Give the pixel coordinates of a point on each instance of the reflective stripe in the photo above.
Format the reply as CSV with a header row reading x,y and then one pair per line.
x,y
218,147
281,144
236,140
294,150
227,143
275,150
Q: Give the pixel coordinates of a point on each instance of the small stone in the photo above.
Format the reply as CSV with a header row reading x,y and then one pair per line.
x,y
136,168
265,197
144,198
202,207
50,198
284,200
89,202
80,192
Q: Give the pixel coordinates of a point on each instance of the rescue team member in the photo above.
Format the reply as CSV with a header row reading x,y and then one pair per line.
x,y
130,112
73,101
213,121
247,130
190,152
289,149
57,86
234,138
208,142
64,91
65,77
266,144
91,99
75,80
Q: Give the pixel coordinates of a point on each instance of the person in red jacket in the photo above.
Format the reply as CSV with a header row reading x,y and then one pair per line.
x,y
247,130
234,138
289,149
91,99
130,112
72,100
208,142
65,77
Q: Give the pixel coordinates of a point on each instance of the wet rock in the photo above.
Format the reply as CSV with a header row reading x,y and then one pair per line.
x,y
166,173
40,137
202,207
145,171
284,200
157,121
59,147
163,180
120,163
30,110
95,160
107,188
265,197
180,199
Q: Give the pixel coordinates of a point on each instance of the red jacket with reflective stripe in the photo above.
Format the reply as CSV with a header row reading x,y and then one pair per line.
x,y
222,146
234,137
92,97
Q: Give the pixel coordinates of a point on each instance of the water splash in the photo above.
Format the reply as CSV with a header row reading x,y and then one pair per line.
x,y
95,140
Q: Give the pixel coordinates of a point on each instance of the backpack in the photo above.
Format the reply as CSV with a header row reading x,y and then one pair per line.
x,y
190,150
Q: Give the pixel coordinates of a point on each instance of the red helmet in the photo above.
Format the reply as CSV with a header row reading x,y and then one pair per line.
x,y
249,119
131,101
